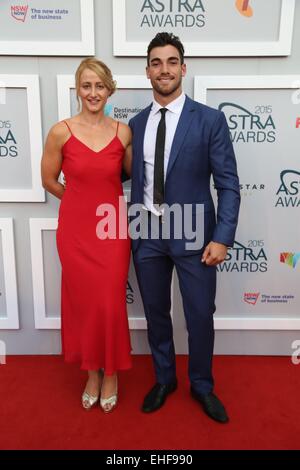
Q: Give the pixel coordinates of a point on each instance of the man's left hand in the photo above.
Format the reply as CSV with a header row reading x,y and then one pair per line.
x,y
214,254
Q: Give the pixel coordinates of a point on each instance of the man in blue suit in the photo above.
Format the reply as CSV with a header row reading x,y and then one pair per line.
x,y
177,145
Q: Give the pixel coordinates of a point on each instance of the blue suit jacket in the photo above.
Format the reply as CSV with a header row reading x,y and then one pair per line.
x,y
201,147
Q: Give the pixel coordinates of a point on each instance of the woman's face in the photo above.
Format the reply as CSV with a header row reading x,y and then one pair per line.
x,y
92,91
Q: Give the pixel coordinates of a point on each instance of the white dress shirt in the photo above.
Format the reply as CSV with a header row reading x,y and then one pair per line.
x,y
172,117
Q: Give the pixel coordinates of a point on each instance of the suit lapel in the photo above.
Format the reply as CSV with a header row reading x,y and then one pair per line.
x,y
139,136
181,130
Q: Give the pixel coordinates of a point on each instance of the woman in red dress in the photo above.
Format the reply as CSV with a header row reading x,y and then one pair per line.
x,y
91,149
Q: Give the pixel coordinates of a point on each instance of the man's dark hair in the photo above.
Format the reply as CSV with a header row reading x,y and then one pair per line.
x,y
166,39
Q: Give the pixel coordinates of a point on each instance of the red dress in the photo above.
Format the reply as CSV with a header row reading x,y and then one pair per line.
x,y
94,271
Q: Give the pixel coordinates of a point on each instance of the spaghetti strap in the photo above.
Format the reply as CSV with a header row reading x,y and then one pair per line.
x,y
117,128
68,127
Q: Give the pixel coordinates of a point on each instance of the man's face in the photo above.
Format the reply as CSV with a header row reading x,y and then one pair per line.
x,y
165,70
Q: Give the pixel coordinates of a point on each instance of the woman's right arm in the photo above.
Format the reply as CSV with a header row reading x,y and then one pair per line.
x,y
52,160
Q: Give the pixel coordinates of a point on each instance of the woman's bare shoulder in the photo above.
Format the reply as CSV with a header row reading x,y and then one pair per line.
x,y
59,132
125,133
59,129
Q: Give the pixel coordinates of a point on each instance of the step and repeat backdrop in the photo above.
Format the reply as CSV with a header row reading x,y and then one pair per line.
x,y
259,280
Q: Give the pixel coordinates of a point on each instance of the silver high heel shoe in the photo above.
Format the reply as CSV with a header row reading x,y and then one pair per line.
x,y
108,404
87,400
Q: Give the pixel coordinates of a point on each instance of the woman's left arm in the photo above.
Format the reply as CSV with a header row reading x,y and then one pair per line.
x,y
127,162
125,136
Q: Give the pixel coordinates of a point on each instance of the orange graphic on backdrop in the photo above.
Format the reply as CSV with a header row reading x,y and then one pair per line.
x,y
244,7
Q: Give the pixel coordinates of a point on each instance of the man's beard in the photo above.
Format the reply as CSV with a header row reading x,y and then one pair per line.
x,y
167,92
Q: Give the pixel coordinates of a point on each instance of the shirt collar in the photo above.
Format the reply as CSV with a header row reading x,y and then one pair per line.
x,y
175,106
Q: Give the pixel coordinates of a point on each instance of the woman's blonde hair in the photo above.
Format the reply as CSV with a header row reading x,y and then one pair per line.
x,y
103,72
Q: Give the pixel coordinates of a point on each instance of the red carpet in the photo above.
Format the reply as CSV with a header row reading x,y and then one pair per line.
x,y
40,407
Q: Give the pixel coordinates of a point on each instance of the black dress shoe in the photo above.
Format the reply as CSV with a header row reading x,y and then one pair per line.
x,y
157,396
212,406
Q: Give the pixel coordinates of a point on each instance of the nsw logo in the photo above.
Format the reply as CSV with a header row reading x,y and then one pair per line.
x,y
19,12
251,297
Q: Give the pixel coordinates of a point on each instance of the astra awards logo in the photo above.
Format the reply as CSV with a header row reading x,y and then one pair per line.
x,y
19,12
8,142
244,7
172,14
288,193
182,13
251,297
249,258
249,127
129,294
291,259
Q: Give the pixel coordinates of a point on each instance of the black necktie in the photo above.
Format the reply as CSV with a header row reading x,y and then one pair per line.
x,y
159,180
